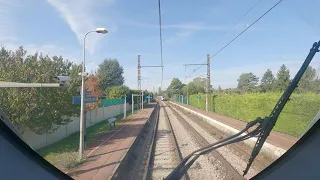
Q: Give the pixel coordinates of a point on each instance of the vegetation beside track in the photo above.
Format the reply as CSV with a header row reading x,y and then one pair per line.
x,y
293,120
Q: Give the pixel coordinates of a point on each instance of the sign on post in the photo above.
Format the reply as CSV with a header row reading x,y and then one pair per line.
x,y
148,97
86,93
88,99
198,97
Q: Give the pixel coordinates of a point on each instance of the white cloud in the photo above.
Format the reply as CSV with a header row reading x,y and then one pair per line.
x,y
47,49
186,25
10,40
130,74
177,36
7,22
81,16
196,26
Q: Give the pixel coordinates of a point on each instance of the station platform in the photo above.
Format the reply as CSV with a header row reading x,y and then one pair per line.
x,y
105,154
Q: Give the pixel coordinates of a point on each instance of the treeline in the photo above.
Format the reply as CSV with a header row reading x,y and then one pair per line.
x,y
198,85
38,109
250,83
43,110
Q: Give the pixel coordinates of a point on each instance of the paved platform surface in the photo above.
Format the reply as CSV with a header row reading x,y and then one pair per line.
x,y
278,139
105,154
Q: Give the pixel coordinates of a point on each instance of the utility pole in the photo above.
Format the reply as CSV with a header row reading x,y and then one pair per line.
x,y
139,80
142,100
208,78
132,105
124,107
185,69
182,99
133,95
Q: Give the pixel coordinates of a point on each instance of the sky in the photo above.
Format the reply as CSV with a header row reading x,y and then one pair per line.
x,y
190,31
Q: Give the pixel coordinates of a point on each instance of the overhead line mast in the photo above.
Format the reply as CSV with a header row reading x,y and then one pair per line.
x,y
140,99
207,80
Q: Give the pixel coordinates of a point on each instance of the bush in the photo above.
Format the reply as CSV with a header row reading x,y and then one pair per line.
x,y
293,120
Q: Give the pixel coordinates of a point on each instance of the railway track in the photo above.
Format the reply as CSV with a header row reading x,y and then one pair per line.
x,y
165,154
177,134
229,171
242,150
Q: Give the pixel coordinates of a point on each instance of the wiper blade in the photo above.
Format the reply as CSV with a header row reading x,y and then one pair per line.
x,y
272,119
262,131
187,162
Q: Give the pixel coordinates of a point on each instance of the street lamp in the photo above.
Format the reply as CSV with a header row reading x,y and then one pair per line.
x,y
83,74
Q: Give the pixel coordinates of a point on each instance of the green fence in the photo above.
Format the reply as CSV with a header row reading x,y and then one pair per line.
x,y
180,99
110,102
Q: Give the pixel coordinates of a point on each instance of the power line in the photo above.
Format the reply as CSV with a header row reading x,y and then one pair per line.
x,y
247,28
241,18
249,10
242,32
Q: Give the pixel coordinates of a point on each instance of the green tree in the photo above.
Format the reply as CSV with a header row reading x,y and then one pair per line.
x,y
110,73
219,89
174,87
129,95
248,82
201,84
283,78
117,92
267,81
308,81
191,88
41,110
317,86
198,85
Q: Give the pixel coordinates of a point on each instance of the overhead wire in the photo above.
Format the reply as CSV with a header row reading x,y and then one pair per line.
x,y
240,19
243,16
160,25
249,10
246,29
241,31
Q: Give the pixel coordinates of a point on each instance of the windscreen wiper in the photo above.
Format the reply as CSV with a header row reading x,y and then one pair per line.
x,y
262,131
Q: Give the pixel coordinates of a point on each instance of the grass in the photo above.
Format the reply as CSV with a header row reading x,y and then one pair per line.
x,y
64,153
293,120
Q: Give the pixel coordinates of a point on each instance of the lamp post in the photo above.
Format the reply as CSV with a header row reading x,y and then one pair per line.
x,y
83,74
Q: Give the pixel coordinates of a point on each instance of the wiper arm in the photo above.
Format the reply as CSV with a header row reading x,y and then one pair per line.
x,y
262,131
187,162
272,119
